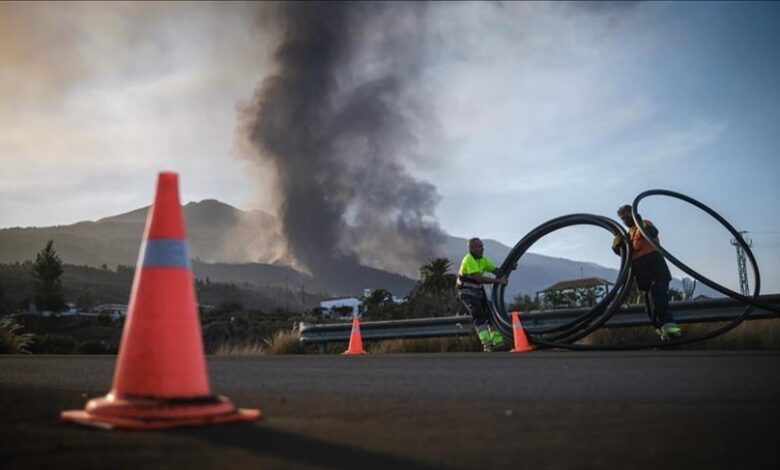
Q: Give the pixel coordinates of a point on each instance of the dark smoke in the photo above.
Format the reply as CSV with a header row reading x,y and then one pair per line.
x,y
335,124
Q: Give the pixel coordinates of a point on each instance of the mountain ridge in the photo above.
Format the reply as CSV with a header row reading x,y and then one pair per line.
x,y
231,245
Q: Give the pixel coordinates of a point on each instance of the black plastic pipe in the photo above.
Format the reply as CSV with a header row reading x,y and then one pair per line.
x,y
565,336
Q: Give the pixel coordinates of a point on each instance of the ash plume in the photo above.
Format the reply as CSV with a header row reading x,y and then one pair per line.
x,y
335,124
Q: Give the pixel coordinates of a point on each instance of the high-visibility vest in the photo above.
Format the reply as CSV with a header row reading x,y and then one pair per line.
x,y
640,245
470,265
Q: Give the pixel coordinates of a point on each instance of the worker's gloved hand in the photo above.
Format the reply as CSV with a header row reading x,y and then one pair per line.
x,y
616,242
501,280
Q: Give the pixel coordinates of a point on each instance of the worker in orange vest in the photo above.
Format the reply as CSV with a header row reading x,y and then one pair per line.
x,y
651,273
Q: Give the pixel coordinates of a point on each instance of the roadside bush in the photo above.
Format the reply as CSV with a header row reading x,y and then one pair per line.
x,y
285,342
426,345
12,341
53,343
92,347
751,334
253,348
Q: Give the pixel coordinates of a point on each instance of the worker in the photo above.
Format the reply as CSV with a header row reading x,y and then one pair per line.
x,y
651,273
471,278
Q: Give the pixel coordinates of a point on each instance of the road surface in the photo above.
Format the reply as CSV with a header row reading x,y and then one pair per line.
x,y
650,409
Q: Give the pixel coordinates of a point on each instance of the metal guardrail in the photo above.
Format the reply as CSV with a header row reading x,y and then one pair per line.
x,y
634,315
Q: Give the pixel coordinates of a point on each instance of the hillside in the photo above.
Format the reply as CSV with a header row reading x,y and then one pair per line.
x,y
231,245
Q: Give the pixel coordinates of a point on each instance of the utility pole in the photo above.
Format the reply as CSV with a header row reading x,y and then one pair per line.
x,y
741,263
287,295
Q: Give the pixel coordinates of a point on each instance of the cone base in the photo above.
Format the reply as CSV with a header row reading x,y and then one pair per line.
x,y
522,349
353,353
143,413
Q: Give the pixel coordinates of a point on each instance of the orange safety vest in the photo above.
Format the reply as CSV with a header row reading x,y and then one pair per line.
x,y
640,245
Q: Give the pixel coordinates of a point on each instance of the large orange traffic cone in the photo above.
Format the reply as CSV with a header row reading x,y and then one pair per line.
x,y
521,342
355,340
160,379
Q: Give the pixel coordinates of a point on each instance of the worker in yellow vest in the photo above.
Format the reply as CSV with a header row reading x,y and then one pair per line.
x,y
651,273
471,277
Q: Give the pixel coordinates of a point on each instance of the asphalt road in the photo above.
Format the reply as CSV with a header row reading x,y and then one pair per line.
x,y
653,409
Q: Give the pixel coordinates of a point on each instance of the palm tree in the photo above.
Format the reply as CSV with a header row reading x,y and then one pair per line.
x,y
377,298
434,276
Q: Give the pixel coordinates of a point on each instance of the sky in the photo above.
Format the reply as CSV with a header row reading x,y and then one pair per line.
x,y
530,111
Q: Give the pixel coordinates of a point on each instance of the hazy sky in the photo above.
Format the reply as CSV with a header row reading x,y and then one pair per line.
x,y
533,110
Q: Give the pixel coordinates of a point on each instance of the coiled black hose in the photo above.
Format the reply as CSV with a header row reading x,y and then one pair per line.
x,y
565,336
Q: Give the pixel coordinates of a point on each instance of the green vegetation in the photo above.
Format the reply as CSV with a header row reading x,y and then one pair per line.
x,y
751,334
434,295
240,349
93,347
47,286
376,299
12,340
54,343
285,342
426,345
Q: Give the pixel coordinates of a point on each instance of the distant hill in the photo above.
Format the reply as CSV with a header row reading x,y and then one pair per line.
x,y
231,245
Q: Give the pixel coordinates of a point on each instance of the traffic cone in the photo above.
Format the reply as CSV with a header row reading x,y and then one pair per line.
x,y
355,340
521,342
160,379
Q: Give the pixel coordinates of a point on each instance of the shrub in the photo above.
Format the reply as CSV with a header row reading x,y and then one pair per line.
x,y
252,348
92,347
427,345
53,343
752,334
11,340
285,342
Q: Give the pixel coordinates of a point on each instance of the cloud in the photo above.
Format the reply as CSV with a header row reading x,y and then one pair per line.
x,y
120,91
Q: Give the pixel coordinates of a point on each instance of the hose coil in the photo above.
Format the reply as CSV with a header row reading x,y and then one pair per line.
x,y
566,335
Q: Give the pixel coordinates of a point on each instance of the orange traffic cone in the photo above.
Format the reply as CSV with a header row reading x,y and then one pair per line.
x,y
521,342
160,379
355,340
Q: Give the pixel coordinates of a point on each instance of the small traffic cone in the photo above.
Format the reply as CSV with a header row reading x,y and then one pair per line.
x,y
521,342
355,340
160,379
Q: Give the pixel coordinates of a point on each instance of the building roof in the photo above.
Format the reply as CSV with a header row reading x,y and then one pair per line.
x,y
331,299
578,283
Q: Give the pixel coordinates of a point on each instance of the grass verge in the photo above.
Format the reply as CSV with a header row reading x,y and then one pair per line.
x,y
752,334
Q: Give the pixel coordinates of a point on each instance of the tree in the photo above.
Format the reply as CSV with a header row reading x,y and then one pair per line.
x,y
586,296
47,286
689,286
555,298
84,300
377,298
434,294
434,278
675,294
523,303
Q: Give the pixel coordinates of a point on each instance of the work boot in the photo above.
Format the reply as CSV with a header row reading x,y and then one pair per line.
x,y
498,342
484,338
670,332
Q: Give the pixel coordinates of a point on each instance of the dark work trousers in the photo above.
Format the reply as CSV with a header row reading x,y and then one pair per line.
x,y
477,307
657,302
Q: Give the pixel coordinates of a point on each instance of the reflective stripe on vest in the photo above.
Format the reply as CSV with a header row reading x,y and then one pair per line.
x,y
463,284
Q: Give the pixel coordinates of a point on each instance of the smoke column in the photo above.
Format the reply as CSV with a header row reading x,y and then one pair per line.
x,y
334,124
